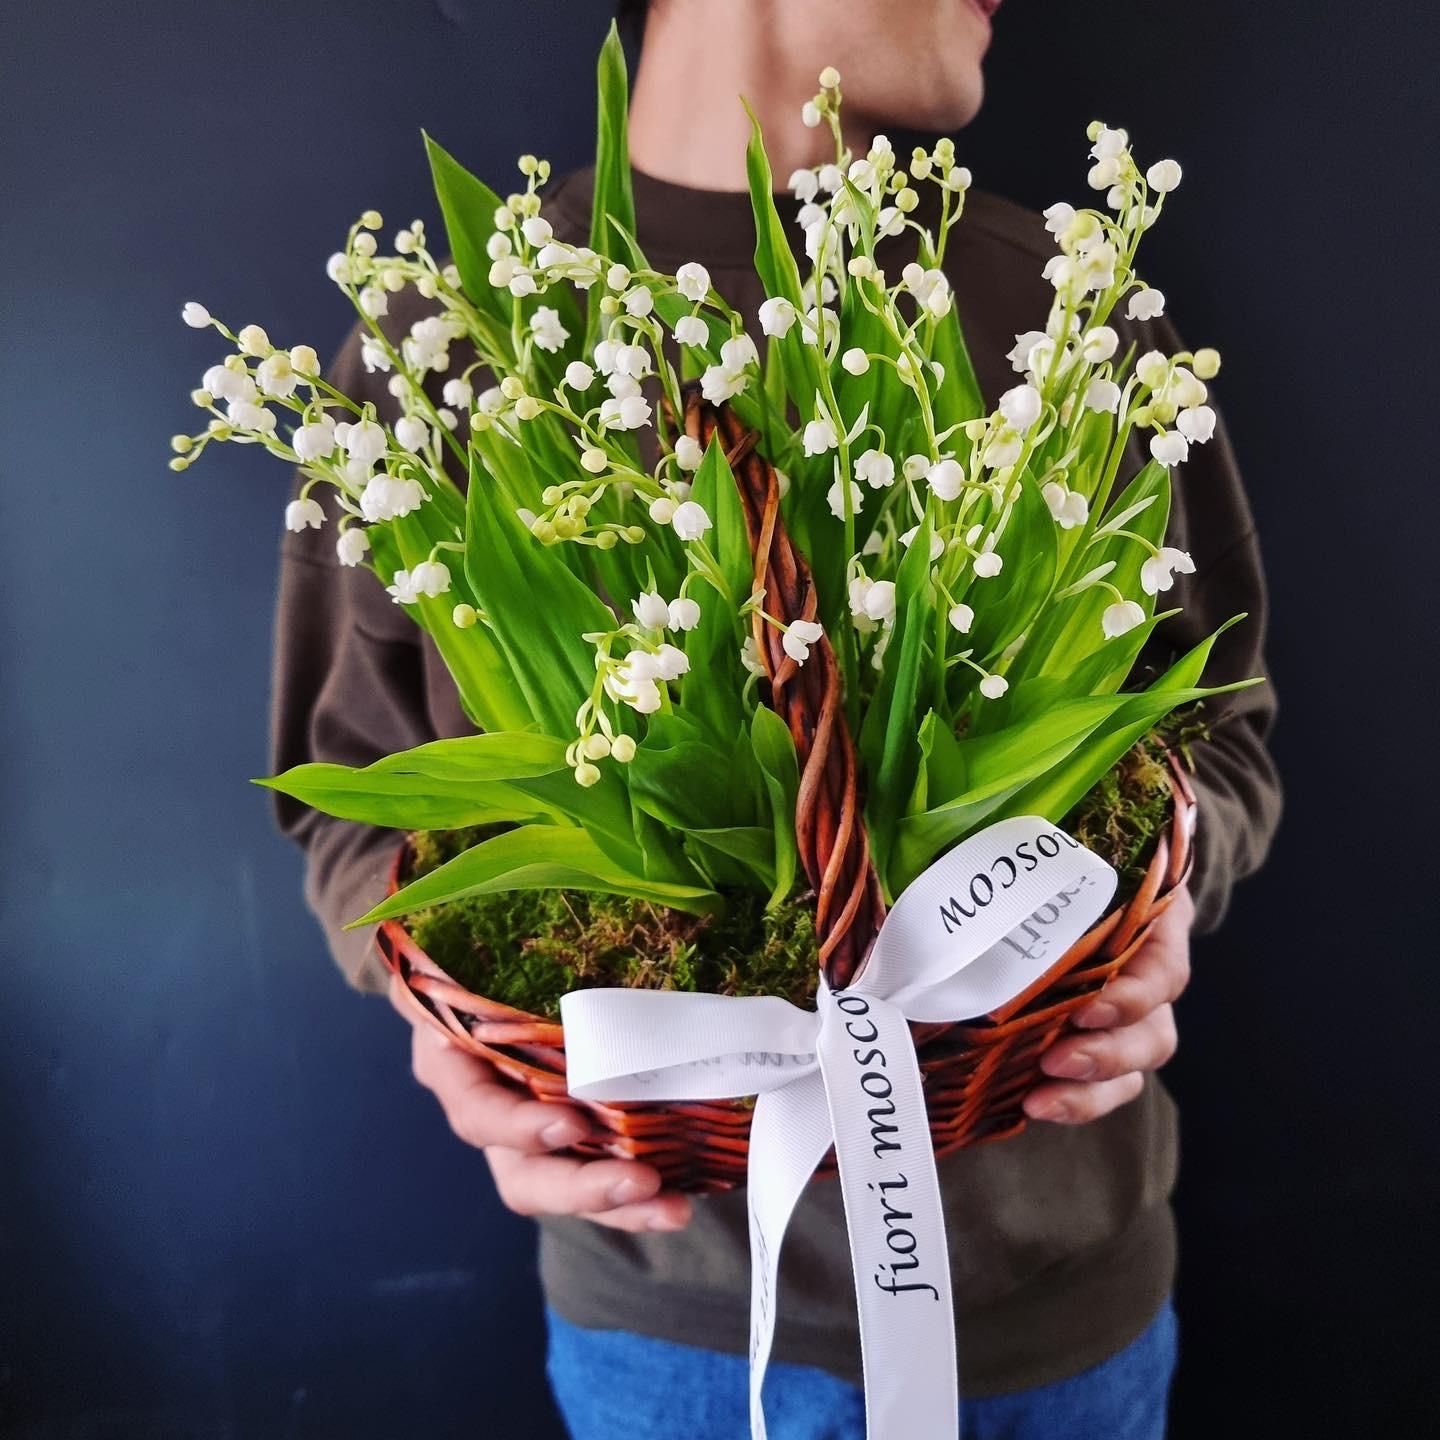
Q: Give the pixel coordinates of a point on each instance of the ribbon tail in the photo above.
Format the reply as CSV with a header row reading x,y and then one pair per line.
x,y
892,1210
789,1135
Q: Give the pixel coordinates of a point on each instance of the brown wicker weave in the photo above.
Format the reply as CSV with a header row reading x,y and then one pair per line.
x,y
976,1075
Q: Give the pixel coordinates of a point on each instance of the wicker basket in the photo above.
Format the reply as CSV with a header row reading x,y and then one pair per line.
x,y
976,1075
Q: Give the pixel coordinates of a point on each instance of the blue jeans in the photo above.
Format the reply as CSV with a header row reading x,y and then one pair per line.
x,y
612,1385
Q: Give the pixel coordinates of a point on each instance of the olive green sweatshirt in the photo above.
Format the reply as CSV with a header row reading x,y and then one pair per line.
x,y
1062,1240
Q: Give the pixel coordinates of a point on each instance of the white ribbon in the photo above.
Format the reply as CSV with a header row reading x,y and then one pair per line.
x,y
978,927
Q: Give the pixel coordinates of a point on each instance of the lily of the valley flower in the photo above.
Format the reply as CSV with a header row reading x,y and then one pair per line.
x,y
690,520
800,635
304,514
876,469
1123,615
1197,424
691,330
992,687
352,545
651,610
412,433
835,498
545,326
819,436
1069,507
1102,396
1169,448
316,440
693,281
683,613
945,478
1021,407
777,315
1159,571
961,618
688,452
1146,304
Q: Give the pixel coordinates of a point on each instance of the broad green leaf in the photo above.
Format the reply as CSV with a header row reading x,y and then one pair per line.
x,y
775,752
443,785
614,199
967,779
536,607
778,272
482,675
535,857
711,691
1007,603
889,740
1053,795
468,206
1072,628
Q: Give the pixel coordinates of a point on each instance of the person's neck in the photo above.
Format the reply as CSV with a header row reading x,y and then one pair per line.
x,y
687,125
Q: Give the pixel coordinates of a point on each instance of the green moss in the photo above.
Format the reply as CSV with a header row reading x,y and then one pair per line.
x,y
526,948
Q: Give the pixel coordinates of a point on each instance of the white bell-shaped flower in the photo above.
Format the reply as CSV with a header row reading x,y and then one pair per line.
x,y
1197,424
690,520
650,609
1159,571
777,315
1170,448
961,618
304,514
691,330
352,545
819,436
799,637
693,280
1021,406
1123,615
545,326
876,469
1147,303
684,613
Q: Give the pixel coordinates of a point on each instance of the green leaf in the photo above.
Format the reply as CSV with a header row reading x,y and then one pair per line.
x,y
968,779
958,397
535,605
889,741
614,198
778,272
468,206
1053,795
486,686
442,785
1072,628
1006,604
535,857
775,752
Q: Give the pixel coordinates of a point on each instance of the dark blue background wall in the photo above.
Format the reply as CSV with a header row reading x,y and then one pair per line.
x,y
225,1210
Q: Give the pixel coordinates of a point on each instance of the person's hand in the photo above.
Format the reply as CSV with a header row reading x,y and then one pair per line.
x,y
518,1135
1128,1029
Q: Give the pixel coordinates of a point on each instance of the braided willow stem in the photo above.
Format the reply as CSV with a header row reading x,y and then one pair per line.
x,y
829,826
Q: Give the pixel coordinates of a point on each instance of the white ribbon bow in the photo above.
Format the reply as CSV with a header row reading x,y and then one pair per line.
x,y
978,927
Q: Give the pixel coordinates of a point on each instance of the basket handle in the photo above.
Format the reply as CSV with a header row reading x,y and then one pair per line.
x,y
829,824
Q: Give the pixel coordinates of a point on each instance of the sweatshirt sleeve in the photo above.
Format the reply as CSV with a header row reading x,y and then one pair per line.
x,y
1235,778
348,686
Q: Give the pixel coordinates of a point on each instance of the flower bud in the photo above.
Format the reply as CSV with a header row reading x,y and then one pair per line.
x,y
363,244
622,748
181,443
371,220
512,387
1206,363
586,774
527,407
595,746
195,315
593,461
464,616
252,340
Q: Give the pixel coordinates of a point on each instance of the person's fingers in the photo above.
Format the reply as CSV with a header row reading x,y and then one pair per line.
x,y
1156,974
669,1210
1105,1054
483,1109
561,1185
1071,1103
